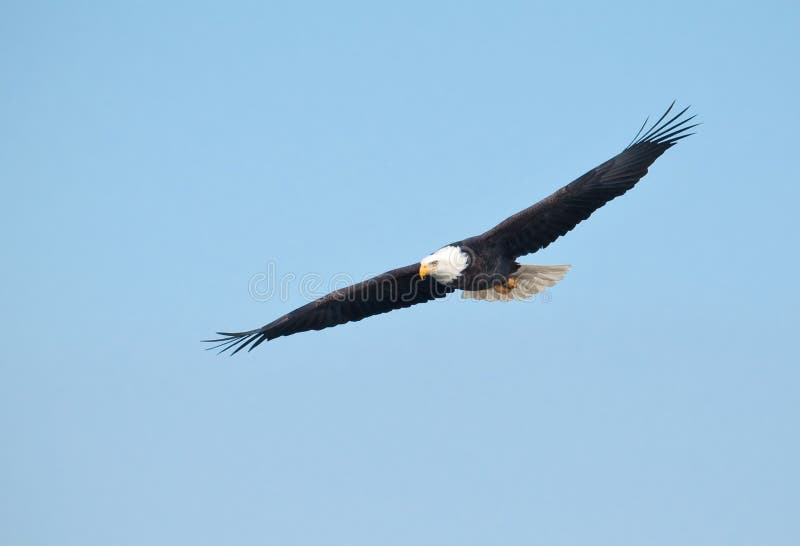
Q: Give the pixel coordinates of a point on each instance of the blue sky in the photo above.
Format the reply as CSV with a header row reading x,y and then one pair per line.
x,y
155,159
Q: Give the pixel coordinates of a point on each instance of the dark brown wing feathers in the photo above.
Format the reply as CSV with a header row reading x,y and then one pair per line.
x,y
539,225
392,290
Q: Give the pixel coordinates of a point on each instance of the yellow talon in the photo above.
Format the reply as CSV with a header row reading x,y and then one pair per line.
x,y
506,287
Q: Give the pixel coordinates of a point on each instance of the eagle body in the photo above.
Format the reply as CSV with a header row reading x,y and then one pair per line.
x,y
486,266
483,267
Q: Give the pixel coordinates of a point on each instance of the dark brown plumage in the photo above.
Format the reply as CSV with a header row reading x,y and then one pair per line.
x,y
539,225
392,290
490,257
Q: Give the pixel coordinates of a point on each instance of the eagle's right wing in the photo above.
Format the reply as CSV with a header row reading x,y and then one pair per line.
x,y
392,290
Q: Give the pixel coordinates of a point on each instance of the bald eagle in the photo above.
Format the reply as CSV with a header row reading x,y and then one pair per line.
x,y
483,267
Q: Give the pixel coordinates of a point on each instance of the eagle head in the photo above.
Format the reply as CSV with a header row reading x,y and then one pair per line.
x,y
444,265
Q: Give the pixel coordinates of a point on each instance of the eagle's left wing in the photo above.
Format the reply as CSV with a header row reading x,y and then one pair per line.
x,y
539,225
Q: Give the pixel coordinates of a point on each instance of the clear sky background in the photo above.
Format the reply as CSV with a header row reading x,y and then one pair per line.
x,y
156,158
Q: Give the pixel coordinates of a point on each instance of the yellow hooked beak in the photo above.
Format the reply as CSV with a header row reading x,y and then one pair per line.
x,y
424,270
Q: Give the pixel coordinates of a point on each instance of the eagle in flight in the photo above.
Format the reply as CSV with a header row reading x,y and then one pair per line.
x,y
484,267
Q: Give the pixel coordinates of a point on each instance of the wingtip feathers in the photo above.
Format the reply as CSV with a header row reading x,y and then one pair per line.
x,y
666,132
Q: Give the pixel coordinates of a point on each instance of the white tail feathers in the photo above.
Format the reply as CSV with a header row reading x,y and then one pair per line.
x,y
528,280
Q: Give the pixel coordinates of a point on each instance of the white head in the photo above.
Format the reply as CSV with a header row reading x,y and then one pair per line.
x,y
444,265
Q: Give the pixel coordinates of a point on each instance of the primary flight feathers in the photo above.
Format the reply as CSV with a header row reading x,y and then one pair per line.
x,y
485,266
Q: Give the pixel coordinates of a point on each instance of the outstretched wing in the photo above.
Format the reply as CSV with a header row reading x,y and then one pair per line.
x,y
389,291
539,225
